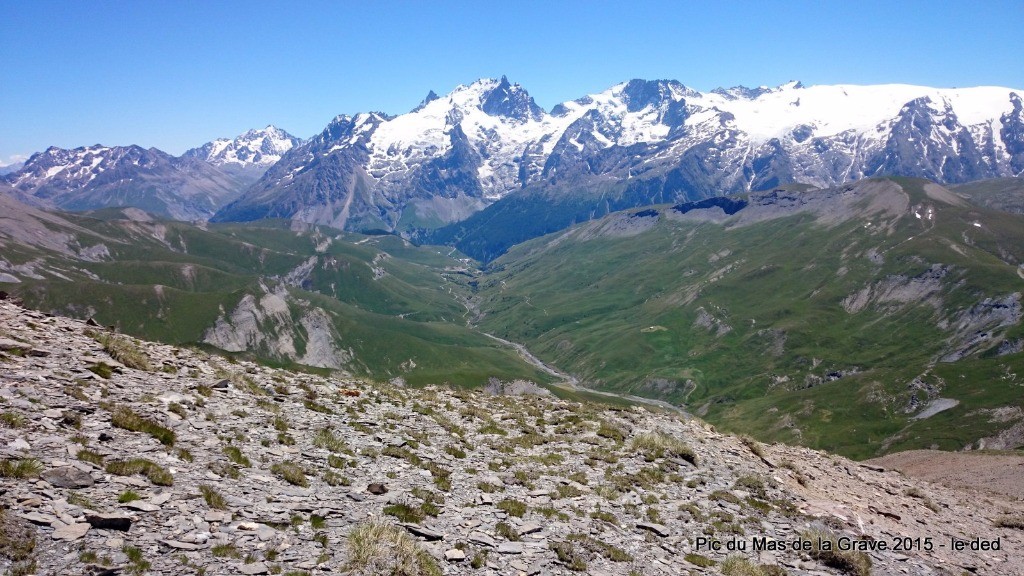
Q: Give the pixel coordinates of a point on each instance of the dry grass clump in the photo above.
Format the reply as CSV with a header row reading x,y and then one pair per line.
x,y
740,566
124,417
213,498
849,562
123,350
12,419
17,537
378,548
151,470
20,468
234,453
326,439
1011,521
290,472
659,445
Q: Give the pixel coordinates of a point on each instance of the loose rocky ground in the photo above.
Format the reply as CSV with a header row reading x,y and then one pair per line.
x,y
999,473
126,457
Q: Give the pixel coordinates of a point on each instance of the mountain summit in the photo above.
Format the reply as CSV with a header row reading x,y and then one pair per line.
x,y
487,144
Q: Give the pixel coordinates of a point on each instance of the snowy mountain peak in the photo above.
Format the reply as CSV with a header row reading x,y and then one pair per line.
x,y
257,148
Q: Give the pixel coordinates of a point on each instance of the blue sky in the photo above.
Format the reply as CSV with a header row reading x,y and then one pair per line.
x,y
177,74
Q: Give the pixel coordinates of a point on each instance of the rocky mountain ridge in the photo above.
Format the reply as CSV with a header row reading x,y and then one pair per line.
x,y
122,456
488,145
187,187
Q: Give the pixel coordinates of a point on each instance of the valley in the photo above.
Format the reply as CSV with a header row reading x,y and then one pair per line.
x,y
878,316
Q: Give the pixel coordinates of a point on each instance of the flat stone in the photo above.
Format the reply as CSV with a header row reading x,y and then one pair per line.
x,y
181,545
109,521
215,516
68,477
530,528
254,568
18,444
510,548
454,555
41,519
71,532
658,529
140,506
482,539
160,499
423,531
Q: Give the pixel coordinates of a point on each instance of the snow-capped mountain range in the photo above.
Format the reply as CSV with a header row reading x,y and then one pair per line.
x,y
190,187
256,149
639,142
487,147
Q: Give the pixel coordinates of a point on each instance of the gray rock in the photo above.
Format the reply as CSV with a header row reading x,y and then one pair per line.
x,y
254,568
454,555
71,532
68,477
423,531
140,506
510,548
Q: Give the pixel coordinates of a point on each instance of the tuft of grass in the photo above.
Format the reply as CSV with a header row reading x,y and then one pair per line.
x,y
20,468
376,547
326,438
235,455
91,457
124,351
405,512
506,531
137,562
225,551
102,370
659,445
512,507
17,537
12,419
740,566
849,562
124,417
149,469
128,496
1011,521
213,498
699,560
290,472
569,556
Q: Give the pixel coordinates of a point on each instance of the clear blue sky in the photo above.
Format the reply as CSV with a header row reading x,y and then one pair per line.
x,y
177,74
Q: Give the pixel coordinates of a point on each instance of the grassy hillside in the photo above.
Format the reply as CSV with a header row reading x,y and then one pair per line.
x,y
747,325
391,312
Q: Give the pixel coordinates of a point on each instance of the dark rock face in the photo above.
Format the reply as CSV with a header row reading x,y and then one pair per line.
x,y
68,477
511,101
109,521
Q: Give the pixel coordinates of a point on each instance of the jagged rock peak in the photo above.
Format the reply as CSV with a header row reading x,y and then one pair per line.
x,y
254,148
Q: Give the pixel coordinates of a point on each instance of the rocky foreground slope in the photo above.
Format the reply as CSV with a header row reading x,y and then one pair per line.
x,y
125,457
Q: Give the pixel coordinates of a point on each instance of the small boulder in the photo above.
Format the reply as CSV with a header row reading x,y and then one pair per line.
x,y
454,555
68,477
109,521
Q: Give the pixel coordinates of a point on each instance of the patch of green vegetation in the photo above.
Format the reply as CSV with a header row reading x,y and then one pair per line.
x,y
290,472
20,468
213,498
124,417
387,549
149,469
512,507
